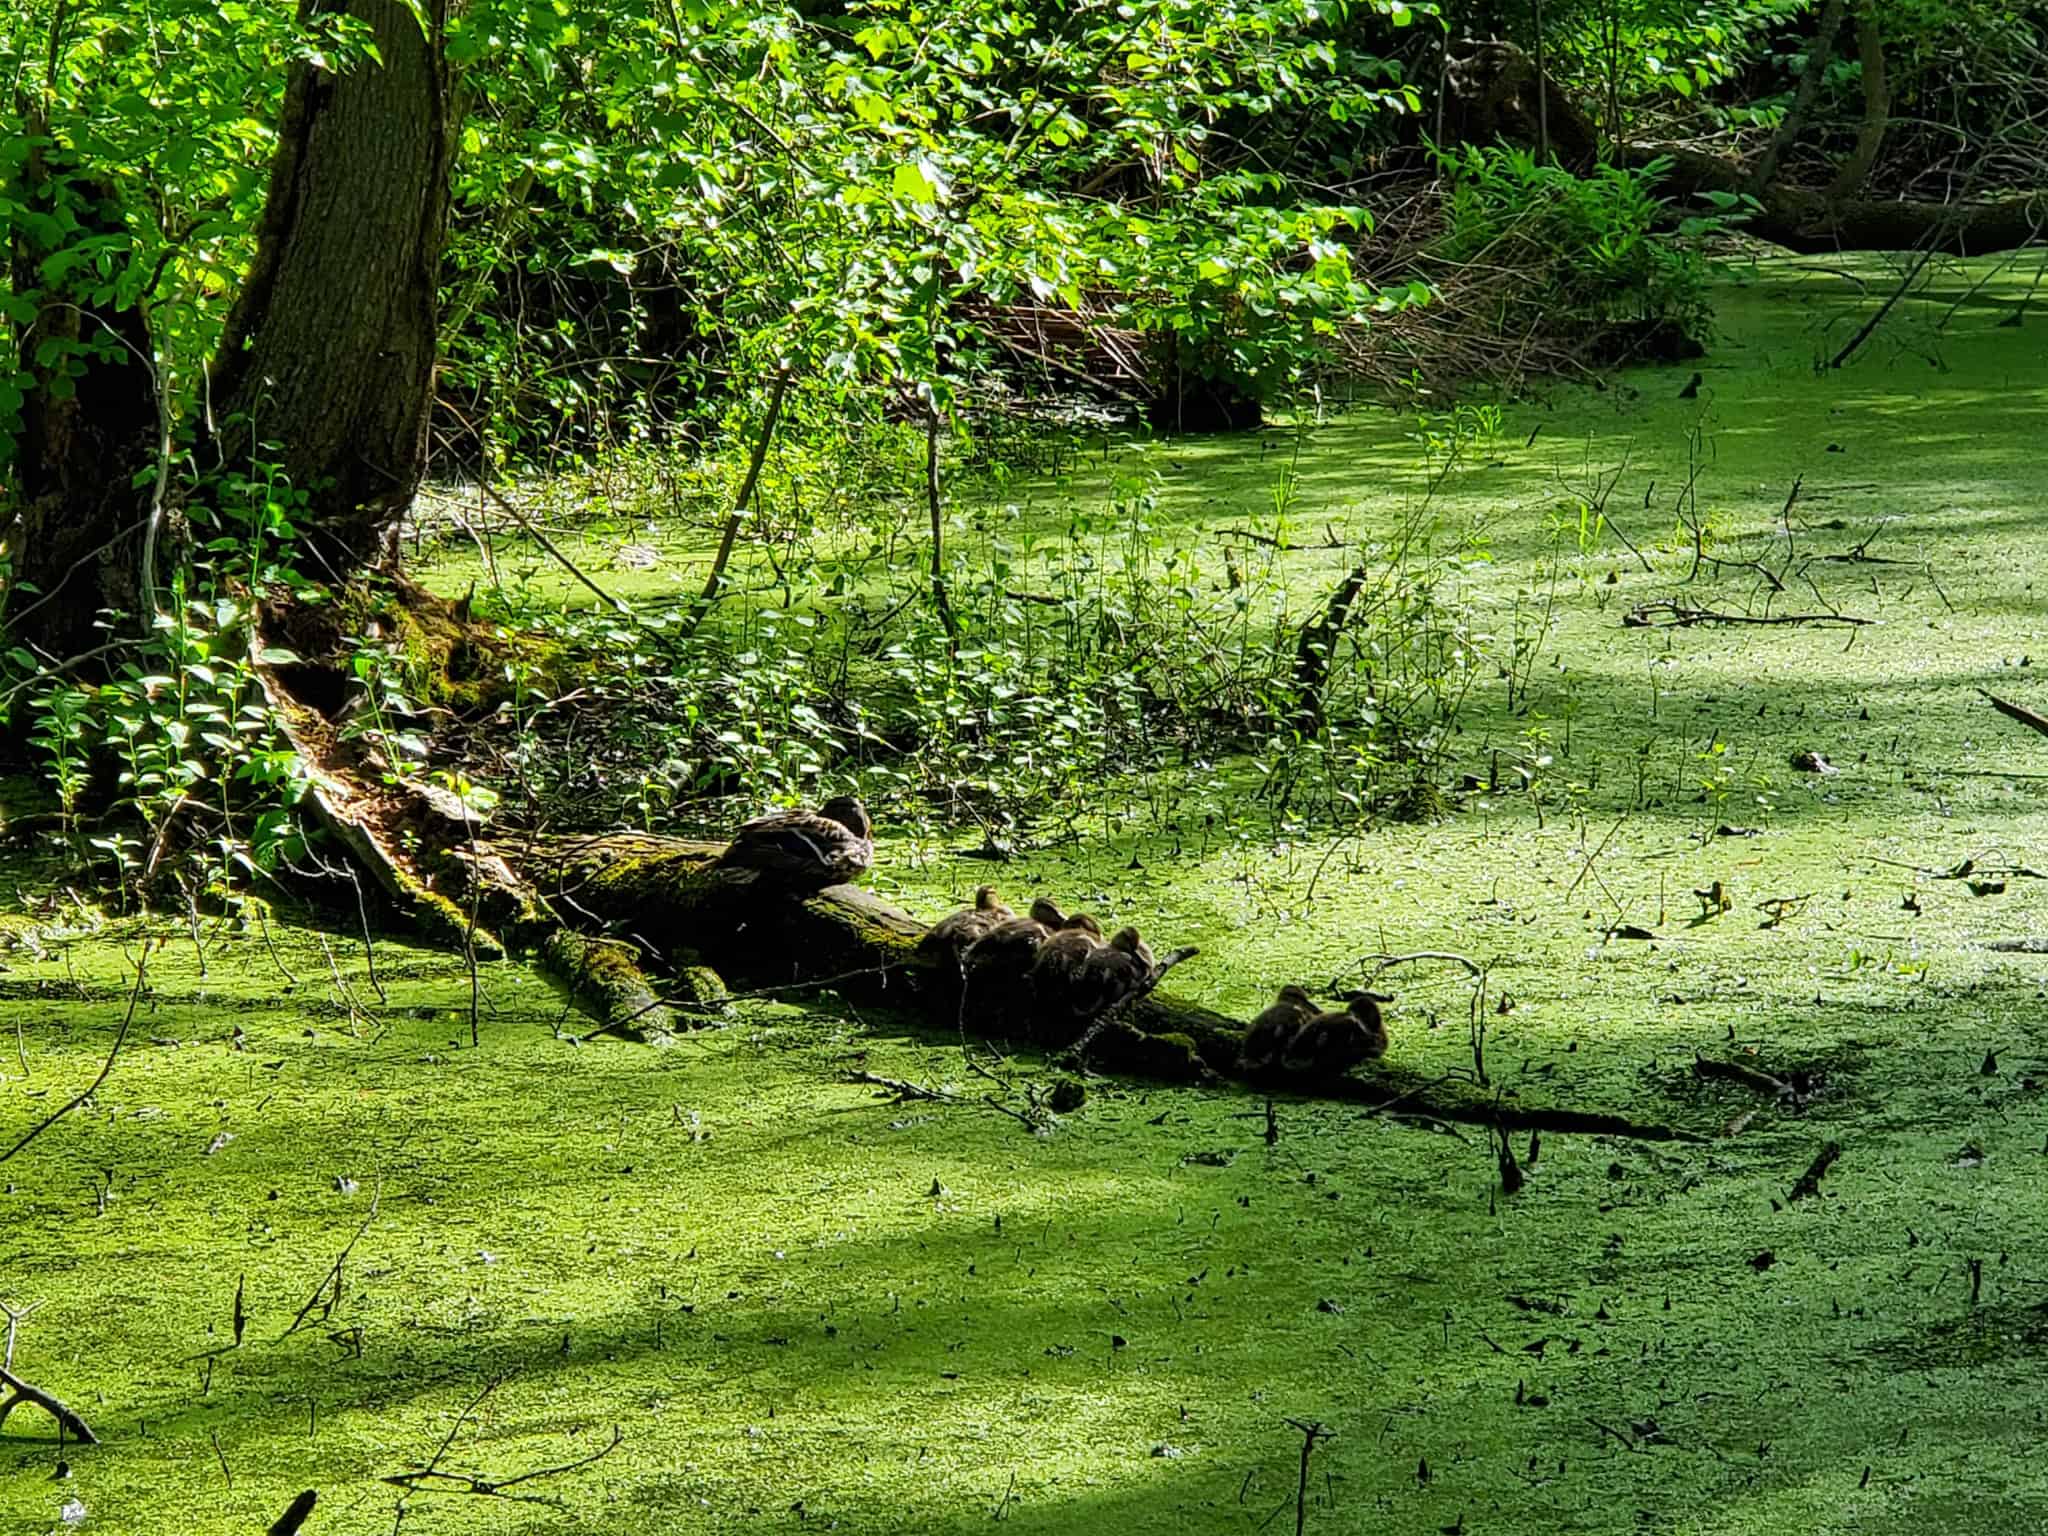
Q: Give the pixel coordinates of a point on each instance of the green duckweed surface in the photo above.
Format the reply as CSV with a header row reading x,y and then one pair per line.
x,y
805,1307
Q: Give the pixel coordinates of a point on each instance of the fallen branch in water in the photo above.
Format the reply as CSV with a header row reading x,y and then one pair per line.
x,y
20,1391
296,1514
1385,962
430,1479
128,1018
1417,1102
1330,539
2019,712
904,1090
1664,614
28,1392
1809,1181
1738,1072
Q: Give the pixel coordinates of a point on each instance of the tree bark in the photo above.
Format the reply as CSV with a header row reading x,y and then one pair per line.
x,y
329,352
73,546
326,363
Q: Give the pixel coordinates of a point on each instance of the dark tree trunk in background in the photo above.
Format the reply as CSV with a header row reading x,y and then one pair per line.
x,y
88,420
1810,77
330,349
327,363
1877,108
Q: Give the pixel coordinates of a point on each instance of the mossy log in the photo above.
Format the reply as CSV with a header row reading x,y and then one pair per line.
x,y
605,976
667,897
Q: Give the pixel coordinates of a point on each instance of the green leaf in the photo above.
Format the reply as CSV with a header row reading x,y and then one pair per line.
x,y
918,182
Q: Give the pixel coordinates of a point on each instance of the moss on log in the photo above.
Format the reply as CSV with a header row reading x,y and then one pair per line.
x,y
665,893
605,978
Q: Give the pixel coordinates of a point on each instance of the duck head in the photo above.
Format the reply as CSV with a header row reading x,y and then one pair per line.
x,y
849,813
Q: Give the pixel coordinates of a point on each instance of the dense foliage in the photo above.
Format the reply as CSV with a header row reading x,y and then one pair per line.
x,y
915,220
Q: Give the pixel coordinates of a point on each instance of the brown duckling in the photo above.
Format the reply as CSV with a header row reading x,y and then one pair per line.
x,y
1273,1031
1077,976
996,964
1331,1044
1127,940
803,851
1062,956
1113,972
947,941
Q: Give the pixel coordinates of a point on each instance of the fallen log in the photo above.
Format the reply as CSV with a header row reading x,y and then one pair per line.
x,y
1492,94
591,907
664,893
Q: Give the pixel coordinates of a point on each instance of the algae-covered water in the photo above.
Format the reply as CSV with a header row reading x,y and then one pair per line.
x,y
804,1306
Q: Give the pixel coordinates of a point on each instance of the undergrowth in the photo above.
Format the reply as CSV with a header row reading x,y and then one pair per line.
x,y
1085,656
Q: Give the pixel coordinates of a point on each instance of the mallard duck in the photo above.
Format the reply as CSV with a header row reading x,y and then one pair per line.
x,y
803,851
947,941
1273,1031
1331,1044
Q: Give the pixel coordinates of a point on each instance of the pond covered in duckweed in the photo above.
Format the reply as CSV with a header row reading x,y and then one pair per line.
x,y
803,1306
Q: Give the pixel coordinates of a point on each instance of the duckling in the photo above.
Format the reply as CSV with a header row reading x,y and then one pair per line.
x,y
1273,1031
1331,1044
1128,941
1077,976
1113,972
996,964
946,943
803,851
1062,956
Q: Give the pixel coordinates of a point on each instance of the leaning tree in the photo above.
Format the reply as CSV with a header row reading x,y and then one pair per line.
x,y
324,367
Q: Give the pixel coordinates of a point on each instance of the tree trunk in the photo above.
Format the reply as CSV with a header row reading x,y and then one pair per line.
x,y
329,351
327,362
1816,68
1877,108
87,417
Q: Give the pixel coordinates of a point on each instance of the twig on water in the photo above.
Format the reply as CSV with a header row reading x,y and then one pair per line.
x,y
20,1391
1311,1432
128,1018
327,1293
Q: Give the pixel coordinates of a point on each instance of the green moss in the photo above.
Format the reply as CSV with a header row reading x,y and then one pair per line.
x,y
604,975
442,922
703,987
